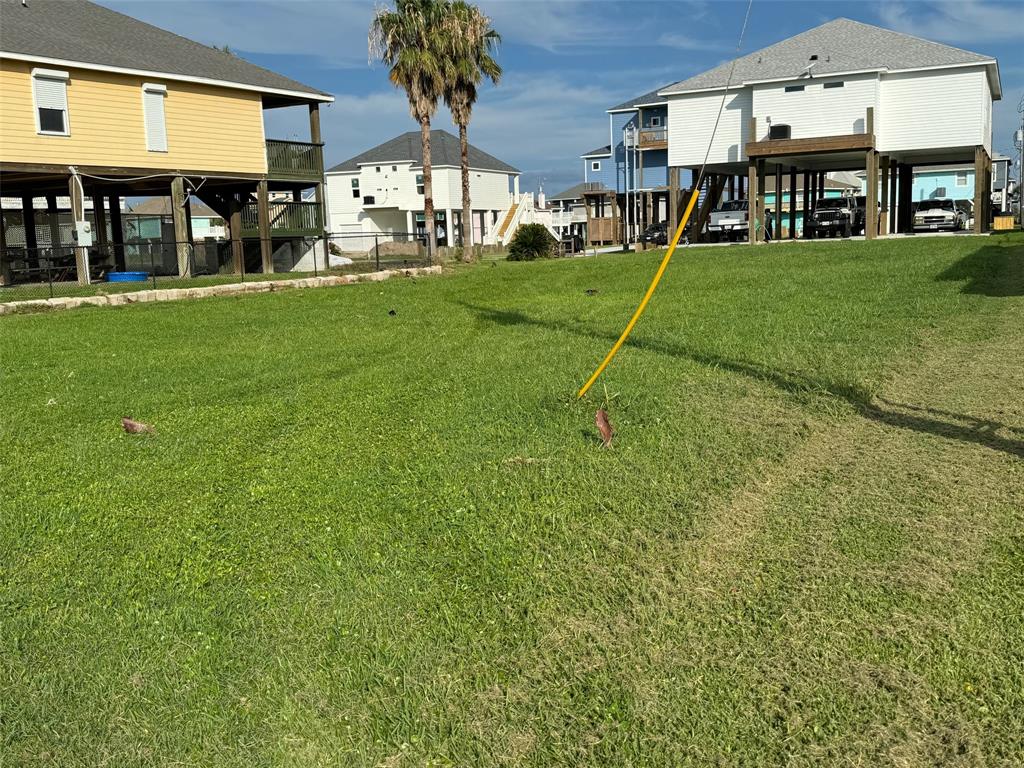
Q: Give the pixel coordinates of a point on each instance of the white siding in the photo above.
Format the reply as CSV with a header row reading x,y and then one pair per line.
x,y
942,108
691,119
816,110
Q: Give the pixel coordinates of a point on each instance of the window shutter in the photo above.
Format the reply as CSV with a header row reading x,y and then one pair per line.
x,y
51,93
156,126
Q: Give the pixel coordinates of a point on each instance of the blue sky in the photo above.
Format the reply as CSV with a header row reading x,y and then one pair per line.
x,y
565,61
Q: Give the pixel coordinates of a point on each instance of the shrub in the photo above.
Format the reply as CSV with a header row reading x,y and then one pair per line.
x,y
531,241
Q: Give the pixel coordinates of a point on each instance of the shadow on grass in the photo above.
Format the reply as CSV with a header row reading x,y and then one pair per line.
x,y
925,420
993,270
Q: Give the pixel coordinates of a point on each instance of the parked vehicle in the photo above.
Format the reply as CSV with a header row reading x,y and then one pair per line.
x,y
942,214
729,220
656,234
834,216
967,206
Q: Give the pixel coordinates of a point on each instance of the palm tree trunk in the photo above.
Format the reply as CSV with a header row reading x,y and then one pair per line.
x,y
428,189
467,208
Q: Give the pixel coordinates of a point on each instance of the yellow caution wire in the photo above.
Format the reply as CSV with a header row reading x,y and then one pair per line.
x,y
647,297
679,230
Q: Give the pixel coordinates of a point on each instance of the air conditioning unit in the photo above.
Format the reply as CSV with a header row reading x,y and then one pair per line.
x,y
369,200
779,131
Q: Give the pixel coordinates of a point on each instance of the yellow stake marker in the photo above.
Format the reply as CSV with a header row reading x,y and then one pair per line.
x,y
647,296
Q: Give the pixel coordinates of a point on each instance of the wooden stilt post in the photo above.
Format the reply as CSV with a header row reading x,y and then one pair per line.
x,y
893,203
871,202
979,189
761,179
263,218
752,202
117,232
673,198
806,210
319,190
777,228
99,215
179,216
792,202
78,214
235,233
28,219
6,274
53,221
883,213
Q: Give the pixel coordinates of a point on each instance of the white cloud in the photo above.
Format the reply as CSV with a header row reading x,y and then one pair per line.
x,y
955,21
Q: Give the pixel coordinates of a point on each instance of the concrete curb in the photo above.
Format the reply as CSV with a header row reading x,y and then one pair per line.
x,y
199,292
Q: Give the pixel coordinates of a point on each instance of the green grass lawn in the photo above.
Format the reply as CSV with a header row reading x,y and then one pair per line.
x,y
360,538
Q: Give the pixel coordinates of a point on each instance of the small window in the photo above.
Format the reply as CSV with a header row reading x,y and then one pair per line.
x,y
153,96
355,188
961,178
419,184
50,90
394,167
595,165
835,84
794,88
656,121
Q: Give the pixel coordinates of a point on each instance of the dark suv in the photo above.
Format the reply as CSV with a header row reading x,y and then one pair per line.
x,y
833,216
656,234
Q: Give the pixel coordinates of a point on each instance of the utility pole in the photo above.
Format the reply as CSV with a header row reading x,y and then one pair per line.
x,y
1018,142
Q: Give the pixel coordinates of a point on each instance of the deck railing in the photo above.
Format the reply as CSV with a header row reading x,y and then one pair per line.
x,y
295,160
287,219
653,137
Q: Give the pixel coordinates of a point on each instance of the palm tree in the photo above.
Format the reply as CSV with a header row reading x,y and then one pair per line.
x,y
411,40
472,44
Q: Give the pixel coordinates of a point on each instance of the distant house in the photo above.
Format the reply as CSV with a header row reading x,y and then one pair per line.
x,y
957,182
380,191
568,212
150,216
97,104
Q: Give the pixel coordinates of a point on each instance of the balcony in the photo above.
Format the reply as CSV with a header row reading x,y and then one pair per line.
x,y
287,219
653,138
295,160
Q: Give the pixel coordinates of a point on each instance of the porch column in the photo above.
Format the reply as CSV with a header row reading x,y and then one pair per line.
x,y
905,220
871,203
320,190
99,215
179,215
806,210
117,232
792,202
761,179
777,228
53,221
28,218
6,275
982,180
752,206
77,214
235,233
883,214
263,217
893,167
449,227
673,199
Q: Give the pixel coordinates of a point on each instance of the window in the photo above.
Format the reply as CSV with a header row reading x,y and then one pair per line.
x,y
595,165
394,167
794,88
961,178
153,96
355,188
656,121
419,183
50,90
835,84
378,169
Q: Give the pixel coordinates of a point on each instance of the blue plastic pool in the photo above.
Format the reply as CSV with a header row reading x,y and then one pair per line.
x,y
127,277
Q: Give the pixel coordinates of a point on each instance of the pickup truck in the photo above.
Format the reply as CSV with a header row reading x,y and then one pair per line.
x,y
933,215
729,221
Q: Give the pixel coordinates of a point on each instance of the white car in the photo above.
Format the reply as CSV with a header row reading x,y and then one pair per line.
x,y
730,220
935,215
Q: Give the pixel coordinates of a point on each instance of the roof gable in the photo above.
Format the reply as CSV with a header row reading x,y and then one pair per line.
x,y
408,148
87,33
648,99
842,46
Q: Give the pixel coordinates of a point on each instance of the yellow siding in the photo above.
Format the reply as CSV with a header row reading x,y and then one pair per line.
x,y
208,128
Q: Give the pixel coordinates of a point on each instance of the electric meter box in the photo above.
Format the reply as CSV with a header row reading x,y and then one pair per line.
x,y
83,234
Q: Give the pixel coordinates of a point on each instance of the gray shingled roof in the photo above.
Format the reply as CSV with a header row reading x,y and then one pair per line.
x,y
75,30
599,152
161,206
572,193
651,97
841,45
444,150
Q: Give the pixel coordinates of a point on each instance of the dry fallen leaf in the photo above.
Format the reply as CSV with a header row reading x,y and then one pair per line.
x,y
604,427
133,427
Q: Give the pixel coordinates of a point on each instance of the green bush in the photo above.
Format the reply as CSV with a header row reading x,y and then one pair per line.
x,y
531,241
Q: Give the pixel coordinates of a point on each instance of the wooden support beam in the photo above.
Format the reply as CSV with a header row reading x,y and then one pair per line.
x,y
883,213
788,147
893,206
673,199
263,221
117,232
179,216
53,220
78,214
99,215
777,227
752,205
979,189
806,217
871,202
6,274
792,202
905,219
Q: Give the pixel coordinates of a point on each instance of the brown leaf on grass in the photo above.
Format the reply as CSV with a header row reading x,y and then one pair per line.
x,y
604,427
133,427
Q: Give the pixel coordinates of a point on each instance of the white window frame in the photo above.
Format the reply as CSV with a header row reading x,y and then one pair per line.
x,y
51,74
958,175
656,121
161,89
595,165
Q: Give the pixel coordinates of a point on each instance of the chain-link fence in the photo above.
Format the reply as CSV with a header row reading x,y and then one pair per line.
x,y
49,272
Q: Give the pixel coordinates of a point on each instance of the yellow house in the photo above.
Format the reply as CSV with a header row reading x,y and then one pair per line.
x,y
95,103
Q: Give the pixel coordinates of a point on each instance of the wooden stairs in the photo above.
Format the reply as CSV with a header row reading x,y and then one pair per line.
x,y
507,220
